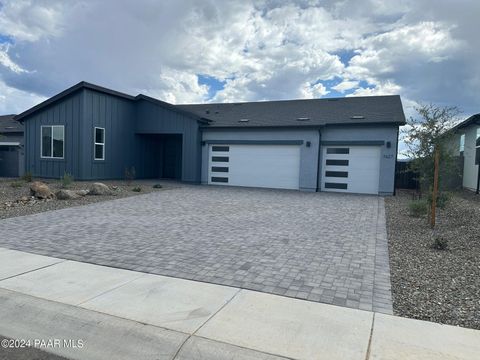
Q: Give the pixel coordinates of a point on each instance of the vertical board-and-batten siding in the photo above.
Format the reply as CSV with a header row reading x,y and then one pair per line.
x,y
154,119
68,113
117,116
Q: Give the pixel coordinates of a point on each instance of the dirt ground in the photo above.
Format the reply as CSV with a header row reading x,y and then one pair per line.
x,y
436,285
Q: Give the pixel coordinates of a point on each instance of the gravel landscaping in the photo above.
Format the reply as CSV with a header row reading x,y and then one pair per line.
x,y
436,285
15,199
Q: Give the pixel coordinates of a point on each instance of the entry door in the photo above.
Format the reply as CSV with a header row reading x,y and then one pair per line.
x,y
354,169
270,166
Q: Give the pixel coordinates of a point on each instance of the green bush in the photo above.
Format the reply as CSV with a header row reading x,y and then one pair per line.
x,y
137,189
130,174
27,177
442,199
66,180
440,243
418,208
16,184
157,186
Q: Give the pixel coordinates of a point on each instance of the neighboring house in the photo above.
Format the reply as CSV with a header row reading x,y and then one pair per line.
x,y
345,144
11,147
468,145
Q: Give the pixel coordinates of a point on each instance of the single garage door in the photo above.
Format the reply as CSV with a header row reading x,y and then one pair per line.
x,y
270,166
354,169
9,161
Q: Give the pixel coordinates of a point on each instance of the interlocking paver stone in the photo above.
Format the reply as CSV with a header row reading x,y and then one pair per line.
x,y
318,246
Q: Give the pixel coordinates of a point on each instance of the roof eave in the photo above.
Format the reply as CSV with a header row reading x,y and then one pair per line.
x,y
81,85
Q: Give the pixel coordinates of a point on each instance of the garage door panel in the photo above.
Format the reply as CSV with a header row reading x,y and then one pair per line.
x,y
360,174
272,166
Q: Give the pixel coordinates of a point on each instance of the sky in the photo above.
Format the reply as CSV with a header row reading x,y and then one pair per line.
x,y
195,51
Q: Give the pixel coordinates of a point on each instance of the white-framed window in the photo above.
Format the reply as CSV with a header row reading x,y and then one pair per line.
x,y
99,143
52,141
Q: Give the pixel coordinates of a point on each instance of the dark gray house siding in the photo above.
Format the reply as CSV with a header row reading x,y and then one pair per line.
x,y
69,113
138,133
117,116
153,119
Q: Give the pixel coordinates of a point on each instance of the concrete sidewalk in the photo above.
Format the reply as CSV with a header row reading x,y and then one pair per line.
x,y
124,314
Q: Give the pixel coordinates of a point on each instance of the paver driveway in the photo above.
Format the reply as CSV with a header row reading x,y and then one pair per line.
x,y
322,247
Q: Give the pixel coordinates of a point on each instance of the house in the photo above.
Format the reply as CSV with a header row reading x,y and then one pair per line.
x,y
344,144
468,145
11,147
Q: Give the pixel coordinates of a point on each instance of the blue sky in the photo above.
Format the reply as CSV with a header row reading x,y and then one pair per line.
x,y
188,51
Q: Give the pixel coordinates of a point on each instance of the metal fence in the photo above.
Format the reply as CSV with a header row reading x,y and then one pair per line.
x,y
405,178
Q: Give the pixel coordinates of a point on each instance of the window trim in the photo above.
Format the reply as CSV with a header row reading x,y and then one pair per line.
x,y
95,144
51,157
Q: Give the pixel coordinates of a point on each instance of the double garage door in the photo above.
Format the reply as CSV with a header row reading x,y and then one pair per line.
x,y
344,168
271,166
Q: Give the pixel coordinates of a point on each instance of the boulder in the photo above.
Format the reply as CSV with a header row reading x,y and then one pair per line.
x,y
99,189
41,191
67,195
82,192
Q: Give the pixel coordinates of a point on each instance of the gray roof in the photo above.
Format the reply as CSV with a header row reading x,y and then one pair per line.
x,y
319,112
9,125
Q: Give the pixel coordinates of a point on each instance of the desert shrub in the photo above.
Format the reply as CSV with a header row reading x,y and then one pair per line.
x,y
157,186
66,180
418,208
442,199
27,177
16,184
439,243
129,174
137,189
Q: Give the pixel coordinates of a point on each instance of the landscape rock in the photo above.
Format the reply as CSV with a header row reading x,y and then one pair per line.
x,y
41,190
67,194
99,189
82,192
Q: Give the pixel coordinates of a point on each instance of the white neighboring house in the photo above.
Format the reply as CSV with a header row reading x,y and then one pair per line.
x,y
468,140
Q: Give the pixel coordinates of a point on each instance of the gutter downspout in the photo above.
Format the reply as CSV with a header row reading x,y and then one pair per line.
x,y
396,161
478,180
319,181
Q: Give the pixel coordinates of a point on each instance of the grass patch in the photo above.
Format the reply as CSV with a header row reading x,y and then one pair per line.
x,y
27,177
418,208
16,184
66,180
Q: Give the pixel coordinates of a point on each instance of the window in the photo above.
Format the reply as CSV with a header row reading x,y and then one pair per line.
x,y
338,151
99,143
336,186
336,173
219,179
477,148
220,158
219,169
462,144
220,148
52,141
337,162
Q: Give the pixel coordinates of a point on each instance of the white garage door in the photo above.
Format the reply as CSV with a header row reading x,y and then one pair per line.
x,y
354,169
271,166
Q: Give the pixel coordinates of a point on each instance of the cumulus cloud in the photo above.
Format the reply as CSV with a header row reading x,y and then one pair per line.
x,y
256,50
